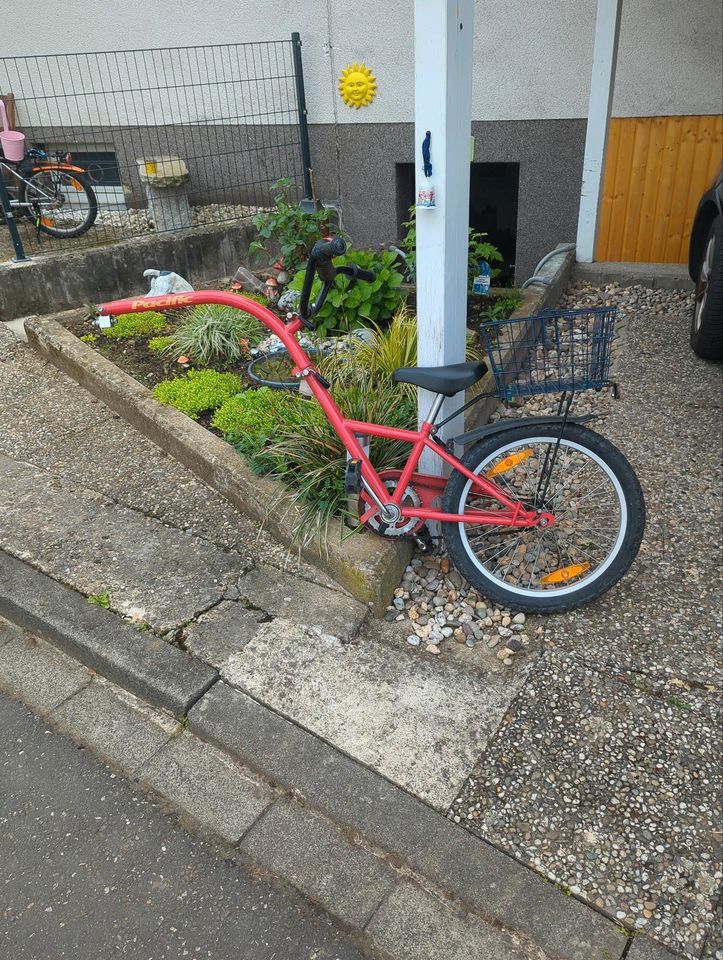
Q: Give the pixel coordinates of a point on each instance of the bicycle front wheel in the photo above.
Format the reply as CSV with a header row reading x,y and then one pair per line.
x,y
599,518
63,200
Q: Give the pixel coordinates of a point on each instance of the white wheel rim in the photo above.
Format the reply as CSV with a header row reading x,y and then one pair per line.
x,y
584,581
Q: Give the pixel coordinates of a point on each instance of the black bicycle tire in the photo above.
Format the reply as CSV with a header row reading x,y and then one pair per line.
x,y
65,234
547,602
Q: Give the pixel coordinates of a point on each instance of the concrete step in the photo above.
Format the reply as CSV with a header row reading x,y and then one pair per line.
x,y
421,722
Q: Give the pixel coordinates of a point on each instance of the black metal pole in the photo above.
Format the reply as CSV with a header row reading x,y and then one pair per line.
x,y
10,220
303,120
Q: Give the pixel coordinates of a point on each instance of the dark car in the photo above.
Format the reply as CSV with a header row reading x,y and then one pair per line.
x,y
705,265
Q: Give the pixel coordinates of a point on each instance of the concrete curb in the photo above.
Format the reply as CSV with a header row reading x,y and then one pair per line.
x,y
142,663
367,566
658,276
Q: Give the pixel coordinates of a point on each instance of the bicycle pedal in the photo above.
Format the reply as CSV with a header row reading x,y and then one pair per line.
x,y
353,477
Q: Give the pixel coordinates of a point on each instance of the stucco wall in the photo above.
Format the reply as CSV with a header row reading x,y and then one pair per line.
x,y
532,60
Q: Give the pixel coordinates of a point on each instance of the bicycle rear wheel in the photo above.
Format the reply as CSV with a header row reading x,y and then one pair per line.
x,y
64,201
599,519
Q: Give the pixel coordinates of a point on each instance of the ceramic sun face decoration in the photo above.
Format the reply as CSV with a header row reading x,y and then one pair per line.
x,y
357,85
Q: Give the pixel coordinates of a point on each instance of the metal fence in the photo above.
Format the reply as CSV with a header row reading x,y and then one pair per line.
x,y
165,138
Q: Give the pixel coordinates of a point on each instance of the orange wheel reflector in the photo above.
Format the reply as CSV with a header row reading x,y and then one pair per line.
x,y
565,573
509,463
47,222
77,186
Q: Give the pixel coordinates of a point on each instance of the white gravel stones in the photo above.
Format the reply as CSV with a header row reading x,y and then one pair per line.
x,y
135,221
441,607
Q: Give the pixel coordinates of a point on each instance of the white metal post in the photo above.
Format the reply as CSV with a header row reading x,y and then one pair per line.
x,y
443,34
607,30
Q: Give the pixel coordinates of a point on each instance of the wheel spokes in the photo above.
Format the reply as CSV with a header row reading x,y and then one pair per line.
x,y
583,500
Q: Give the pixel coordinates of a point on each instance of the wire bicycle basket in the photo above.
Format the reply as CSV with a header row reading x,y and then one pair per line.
x,y
557,351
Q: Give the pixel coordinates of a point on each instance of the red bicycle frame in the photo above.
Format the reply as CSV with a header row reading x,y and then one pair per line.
x,y
431,486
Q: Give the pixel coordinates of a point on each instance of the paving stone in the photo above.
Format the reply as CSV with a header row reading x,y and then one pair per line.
x,y
223,631
413,925
38,674
418,722
141,662
315,606
644,949
364,803
153,573
206,784
312,854
122,730
9,631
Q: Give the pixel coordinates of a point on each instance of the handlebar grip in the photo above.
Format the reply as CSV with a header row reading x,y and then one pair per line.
x,y
354,272
328,249
367,275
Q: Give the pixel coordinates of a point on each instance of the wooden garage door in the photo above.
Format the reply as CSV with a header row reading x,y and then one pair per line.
x,y
655,172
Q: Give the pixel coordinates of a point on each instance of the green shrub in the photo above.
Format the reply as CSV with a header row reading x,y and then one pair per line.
x,y
129,325
311,458
292,231
378,357
215,334
89,338
197,391
352,304
248,420
159,344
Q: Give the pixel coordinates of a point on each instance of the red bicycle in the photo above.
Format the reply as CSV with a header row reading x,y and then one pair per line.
x,y
541,513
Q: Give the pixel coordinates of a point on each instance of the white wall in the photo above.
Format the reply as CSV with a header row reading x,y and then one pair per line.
x,y
532,59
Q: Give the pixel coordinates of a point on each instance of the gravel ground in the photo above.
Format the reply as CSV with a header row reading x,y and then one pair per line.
x,y
605,774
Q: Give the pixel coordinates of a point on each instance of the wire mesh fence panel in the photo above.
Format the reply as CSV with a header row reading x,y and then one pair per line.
x,y
123,143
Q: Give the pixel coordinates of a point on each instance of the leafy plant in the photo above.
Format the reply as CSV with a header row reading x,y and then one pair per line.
x,y
129,325
478,249
379,355
89,338
212,333
197,391
248,420
481,249
100,600
409,243
352,304
312,459
501,308
159,344
293,231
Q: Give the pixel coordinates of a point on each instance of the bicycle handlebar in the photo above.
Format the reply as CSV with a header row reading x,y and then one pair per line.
x,y
320,261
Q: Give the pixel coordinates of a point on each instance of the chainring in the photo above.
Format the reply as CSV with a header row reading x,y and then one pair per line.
x,y
404,528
